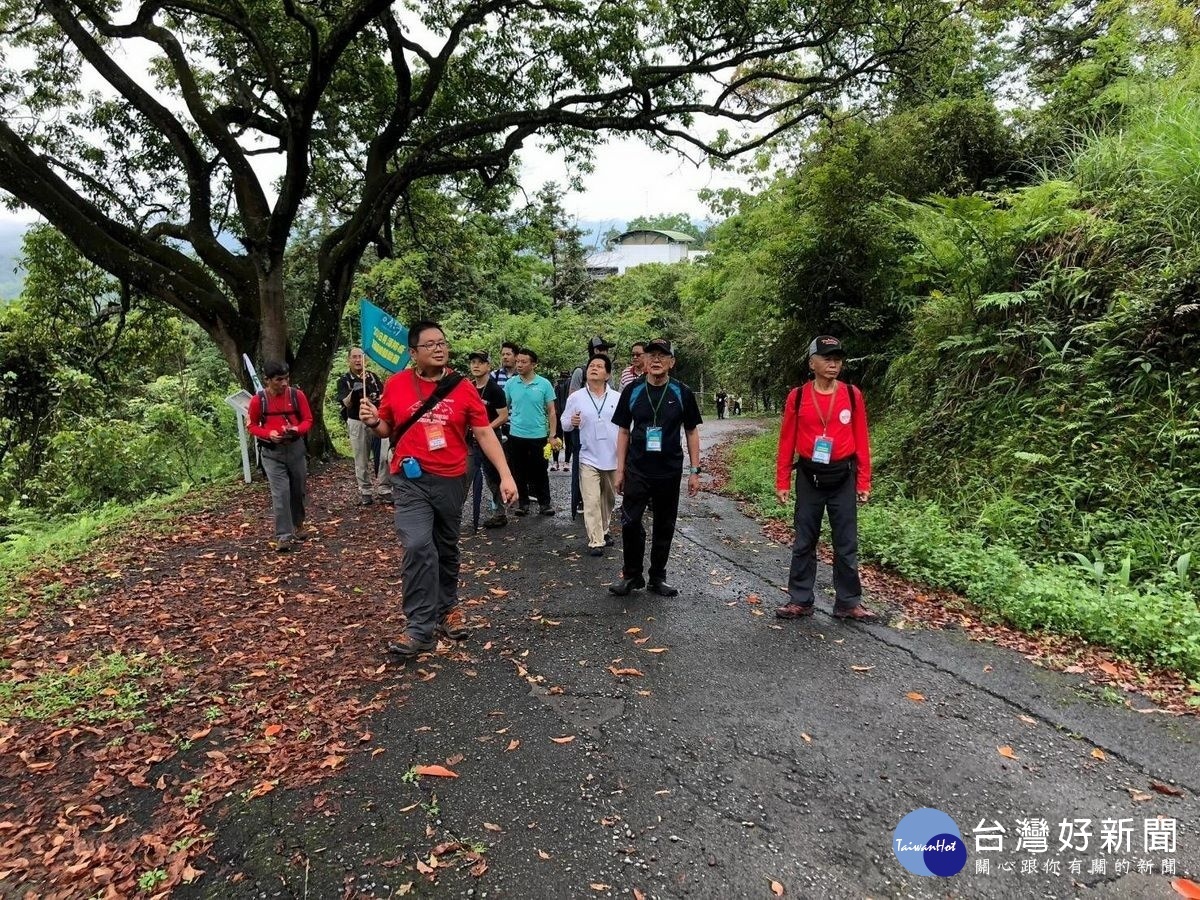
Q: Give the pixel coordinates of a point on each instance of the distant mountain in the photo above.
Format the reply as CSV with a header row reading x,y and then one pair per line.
x,y
11,277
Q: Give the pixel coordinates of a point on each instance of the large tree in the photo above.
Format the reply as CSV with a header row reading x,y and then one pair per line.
x,y
176,142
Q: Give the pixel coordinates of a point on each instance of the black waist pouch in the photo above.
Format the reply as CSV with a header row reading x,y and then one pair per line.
x,y
826,476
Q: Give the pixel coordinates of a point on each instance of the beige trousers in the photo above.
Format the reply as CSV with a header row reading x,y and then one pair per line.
x,y
596,486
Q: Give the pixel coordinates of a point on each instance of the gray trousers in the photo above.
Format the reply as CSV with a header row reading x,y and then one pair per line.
x,y
811,504
428,516
287,474
360,442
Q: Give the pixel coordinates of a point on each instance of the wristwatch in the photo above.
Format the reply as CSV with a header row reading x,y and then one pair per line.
x,y
696,470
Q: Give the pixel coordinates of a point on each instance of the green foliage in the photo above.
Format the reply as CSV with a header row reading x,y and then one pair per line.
x,y
102,398
102,689
1156,621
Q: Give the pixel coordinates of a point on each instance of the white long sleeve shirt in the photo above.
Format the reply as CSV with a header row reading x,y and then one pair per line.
x,y
597,433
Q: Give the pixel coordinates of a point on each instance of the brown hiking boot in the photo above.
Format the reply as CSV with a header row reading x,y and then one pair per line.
x,y
860,613
793,611
454,625
406,646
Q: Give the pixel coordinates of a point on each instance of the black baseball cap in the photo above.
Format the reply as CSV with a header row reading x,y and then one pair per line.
x,y
598,343
660,345
826,345
481,355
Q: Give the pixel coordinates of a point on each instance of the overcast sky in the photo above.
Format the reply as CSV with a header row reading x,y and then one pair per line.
x,y
630,179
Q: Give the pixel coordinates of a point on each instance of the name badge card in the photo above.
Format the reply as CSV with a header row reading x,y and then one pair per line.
x,y
435,437
654,439
822,450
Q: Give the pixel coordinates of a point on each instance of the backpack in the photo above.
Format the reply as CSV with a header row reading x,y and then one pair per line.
x,y
853,398
263,413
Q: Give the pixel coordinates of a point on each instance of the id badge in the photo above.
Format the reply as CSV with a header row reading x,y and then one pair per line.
x,y
435,437
822,450
654,439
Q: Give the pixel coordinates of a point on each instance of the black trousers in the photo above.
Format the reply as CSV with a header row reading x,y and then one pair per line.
x,y
527,458
811,504
639,492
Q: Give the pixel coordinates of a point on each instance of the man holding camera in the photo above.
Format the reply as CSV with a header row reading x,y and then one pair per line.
x,y
279,416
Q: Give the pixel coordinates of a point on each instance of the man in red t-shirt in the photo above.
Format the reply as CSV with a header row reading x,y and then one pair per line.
x,y
279,416
824,436
429,465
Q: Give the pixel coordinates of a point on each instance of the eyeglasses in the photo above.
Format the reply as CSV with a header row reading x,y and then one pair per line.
x,y
433,345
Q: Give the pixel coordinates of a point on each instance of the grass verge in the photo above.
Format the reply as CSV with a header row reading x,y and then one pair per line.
x,y
1156,622
29,544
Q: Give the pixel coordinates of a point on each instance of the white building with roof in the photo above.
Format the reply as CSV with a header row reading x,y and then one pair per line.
x,y
635,248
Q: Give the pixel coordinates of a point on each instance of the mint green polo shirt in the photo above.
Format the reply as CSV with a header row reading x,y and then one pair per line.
x,y
527,406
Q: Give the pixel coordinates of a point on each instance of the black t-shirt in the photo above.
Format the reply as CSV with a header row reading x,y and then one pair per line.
x,y
493,398
671,407
353,384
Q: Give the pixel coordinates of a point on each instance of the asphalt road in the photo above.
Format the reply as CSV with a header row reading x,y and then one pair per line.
x,y
748,751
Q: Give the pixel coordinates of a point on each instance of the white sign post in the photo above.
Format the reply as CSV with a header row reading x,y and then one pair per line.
x,y
241,407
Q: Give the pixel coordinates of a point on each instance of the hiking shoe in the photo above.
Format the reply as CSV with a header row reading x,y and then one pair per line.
x,y
608,540
793,611
595,551
406,646
521,511
860,613
626,586
283,544
663,589
497,521
454,625
546,510
366,500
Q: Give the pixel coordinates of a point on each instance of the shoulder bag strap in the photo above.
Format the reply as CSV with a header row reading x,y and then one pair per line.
x,y
445,386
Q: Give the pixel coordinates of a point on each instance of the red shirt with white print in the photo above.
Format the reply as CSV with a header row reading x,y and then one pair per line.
x,y
459,410
831,415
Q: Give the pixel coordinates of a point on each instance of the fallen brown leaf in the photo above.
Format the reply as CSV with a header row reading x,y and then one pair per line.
x,y
435,771
619,672
1185,887
564,740
915,697
272,730
1028,720
1006,751
1099,754
332,761
598,886
776,888
861,668
542,854
492,826
634,630
455,759
512,745
1169,790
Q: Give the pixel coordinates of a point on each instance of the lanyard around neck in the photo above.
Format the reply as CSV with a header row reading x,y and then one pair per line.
x,y
829,408
654,407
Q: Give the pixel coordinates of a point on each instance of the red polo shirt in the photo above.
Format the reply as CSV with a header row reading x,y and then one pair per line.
x,y
454,414
845,424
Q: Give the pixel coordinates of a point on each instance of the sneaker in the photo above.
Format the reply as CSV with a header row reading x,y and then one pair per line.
x,y
626,586
608,540
406,646
283,544
546,510
860,613
595,551
793,611
454,625
663,589
521,511
497,521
